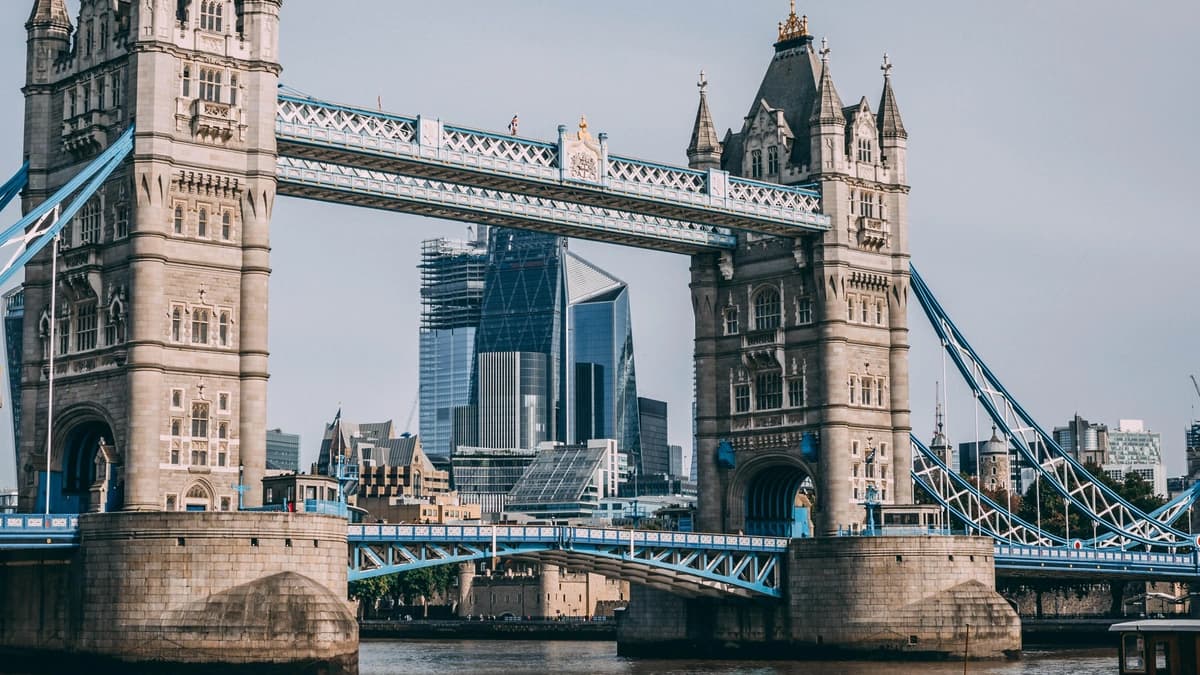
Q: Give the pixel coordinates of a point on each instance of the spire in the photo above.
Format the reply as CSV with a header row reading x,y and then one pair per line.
x,y
704,151
829,105
49,13
794,31
888,117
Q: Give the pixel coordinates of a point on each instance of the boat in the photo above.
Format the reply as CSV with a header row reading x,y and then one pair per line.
x,y
1159,646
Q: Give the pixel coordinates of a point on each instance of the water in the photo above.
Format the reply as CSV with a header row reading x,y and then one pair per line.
x,y
508,657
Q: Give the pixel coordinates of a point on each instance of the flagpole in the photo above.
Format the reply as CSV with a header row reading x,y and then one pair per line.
x,y
50,385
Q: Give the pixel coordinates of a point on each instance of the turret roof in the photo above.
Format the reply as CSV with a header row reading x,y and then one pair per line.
x,y
49,12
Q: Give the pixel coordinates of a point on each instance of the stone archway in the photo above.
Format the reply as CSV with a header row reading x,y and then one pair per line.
x,y
198,497
773,494
87,479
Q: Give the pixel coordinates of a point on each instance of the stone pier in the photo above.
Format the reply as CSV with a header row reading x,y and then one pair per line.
x,y
184,592
861,597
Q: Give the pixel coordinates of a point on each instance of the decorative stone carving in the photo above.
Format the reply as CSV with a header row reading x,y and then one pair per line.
x,y
582,157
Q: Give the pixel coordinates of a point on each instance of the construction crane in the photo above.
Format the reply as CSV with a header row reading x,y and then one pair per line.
x,y
412,410
1196,385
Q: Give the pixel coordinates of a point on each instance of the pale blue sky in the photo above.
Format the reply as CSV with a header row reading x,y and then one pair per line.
x,y
1052,156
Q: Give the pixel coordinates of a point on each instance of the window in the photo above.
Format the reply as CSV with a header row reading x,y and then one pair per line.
x,y
225,502
768,389
865,310
116,89
200,326
171,501
866,391
854,448
804,314
100,92
864,150
64,334
187,81
210,15
773,160
866,204
223,430
176,427
199,419
226,220
202,223
850,308
177,324
879,393
756,166
879,312
85,326
233,90
110,328
121,224
89,34
221,458
103,36
72,103
223,329
883,453
178,220
766,309
210,84
87,96
174,459
177,399
795,393
853,389
883,470
855,470
199,455
89,223
731,320
223,402
741,398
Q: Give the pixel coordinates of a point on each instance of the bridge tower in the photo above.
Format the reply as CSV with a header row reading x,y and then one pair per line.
x,y
161,327
801,350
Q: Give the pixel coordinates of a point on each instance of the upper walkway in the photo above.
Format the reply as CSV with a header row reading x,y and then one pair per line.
x,y
570,186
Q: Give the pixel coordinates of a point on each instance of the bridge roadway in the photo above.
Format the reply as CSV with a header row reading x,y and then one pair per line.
x,y
571,186
685,563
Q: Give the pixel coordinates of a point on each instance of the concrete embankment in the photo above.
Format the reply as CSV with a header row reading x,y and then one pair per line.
x,y
489,630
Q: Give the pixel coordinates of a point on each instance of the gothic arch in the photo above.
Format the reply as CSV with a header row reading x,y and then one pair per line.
x,y
79,432
763,493
199,495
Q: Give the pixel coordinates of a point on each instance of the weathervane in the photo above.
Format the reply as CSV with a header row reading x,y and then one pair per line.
x,y
825,50
887,66
702,83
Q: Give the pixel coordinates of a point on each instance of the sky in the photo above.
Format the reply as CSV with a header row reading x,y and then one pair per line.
x,y
1052,157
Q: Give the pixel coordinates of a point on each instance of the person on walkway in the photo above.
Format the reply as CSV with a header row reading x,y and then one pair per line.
x,y
512,126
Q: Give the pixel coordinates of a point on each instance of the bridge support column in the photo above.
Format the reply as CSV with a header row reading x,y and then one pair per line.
x,y
852,596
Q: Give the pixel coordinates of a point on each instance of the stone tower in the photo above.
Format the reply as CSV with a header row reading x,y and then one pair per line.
x,y
161,327
802,344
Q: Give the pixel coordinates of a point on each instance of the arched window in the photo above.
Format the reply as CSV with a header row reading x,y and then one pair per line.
x,y
177,324
226,225
211,17
731,320
178,220
853,389
233,90
202,224
103,36
768,390
187,81
766,309
756,164
89,223
223,329
849,307
200,319
772,160
199,420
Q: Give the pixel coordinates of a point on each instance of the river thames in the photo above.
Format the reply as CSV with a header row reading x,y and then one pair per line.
x,y
439,657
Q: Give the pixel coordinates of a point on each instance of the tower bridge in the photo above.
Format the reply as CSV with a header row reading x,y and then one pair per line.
x,y
157,140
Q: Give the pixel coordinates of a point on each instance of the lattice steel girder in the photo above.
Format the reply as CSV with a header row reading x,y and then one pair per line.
x,y
1064,474
317,130
1040,561
342,184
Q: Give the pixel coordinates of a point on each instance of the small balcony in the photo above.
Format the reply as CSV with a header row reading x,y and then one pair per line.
x,y
84,135
763,349
213,121
873,232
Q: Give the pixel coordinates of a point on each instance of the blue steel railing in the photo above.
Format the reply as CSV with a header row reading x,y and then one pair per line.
x,y
1082,561
22,530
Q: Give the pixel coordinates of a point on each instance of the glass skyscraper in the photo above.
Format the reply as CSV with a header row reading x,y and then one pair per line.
x,y
452,278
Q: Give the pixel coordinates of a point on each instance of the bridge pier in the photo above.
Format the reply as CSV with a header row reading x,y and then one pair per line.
x,y
860,596
163,592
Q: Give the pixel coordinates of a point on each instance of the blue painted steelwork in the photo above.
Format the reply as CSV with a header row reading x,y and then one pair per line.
x,y
450,155
13,186
25,531
1063,473
1092,563
37,228
689,563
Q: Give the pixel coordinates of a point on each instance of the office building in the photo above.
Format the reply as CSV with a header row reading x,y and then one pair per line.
x,y
485,476
1192,443
675,461
283,451
387,465
1087,442
654,458
1134,449
567,482
452,281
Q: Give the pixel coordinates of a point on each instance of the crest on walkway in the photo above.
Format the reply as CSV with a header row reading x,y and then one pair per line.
x,y
582,156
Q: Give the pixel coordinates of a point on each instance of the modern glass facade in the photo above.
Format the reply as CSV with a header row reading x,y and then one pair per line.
x,y
523,310
655,457
283,450
485,476
512,399
452,282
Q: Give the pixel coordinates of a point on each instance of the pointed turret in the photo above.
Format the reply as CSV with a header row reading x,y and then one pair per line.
x,y
893,139
704,151
827,124
890,124
49,14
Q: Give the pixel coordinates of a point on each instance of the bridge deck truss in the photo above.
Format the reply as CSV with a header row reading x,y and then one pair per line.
x,y
310,129
684,563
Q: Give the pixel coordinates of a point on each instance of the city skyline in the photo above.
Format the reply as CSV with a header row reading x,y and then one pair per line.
x,y
1058,194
